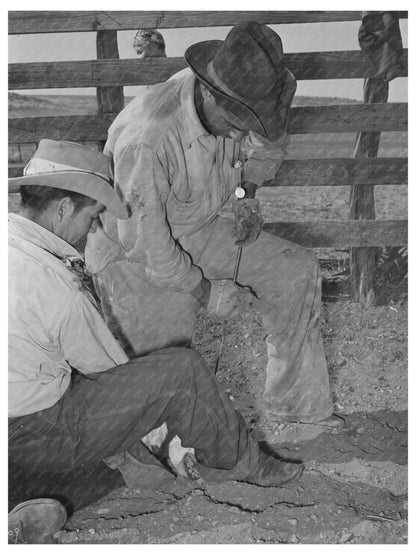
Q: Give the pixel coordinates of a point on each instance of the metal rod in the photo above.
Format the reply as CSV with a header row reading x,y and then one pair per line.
x,y
237,263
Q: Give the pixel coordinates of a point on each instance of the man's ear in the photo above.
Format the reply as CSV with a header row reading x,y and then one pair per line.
x,y
64,208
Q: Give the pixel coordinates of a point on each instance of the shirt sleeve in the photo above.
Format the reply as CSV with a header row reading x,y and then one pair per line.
x,y
86,342
146,234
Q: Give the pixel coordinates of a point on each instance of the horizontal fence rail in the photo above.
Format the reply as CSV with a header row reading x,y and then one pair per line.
x,y
342,118
58,128
342,234
99,73
349,118
341,171
26,22
323,172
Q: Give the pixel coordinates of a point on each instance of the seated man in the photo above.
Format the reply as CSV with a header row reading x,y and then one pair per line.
x,y
74,397
181,150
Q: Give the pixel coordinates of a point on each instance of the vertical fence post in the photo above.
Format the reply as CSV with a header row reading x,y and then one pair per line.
x,y
110,100
363,259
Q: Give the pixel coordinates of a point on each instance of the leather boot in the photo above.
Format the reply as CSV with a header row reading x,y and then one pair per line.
x,y
147,473
35,520
271,472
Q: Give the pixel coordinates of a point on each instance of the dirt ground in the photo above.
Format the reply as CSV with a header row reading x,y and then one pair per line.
x,y
354,488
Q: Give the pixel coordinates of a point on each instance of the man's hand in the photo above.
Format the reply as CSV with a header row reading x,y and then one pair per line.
x,y
248,220
228,300
265,156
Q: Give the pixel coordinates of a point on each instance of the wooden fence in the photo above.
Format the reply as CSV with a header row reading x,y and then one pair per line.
x,y
109,74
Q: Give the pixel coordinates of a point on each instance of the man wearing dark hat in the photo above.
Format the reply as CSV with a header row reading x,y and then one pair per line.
x,y
74,396
181,149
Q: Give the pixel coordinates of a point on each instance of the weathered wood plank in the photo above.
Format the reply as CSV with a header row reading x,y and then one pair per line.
x,y
110,100
341,171
342,118
327,172
92,73
342,234
349,118
362,205
95,73
22,22
59,128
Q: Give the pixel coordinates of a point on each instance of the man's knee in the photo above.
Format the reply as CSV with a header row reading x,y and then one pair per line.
x,y
306,262
190,366
187,358
303,264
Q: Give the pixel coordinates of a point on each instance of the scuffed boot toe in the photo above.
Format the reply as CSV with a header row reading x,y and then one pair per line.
x,y
35,520
271,472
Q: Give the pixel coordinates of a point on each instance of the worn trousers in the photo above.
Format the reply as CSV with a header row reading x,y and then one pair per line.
x,y
284,276
109,412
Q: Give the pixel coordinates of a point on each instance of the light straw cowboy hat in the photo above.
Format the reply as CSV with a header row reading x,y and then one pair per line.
x,y
70,166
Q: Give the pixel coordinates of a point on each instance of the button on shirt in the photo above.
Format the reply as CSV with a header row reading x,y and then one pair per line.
x,y
175,176
53,325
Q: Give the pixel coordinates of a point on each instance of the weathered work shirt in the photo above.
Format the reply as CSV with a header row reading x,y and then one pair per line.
x,y
53,326
176,178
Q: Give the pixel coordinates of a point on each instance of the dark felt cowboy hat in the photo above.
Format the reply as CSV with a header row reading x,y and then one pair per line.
x,y
245,73
70,166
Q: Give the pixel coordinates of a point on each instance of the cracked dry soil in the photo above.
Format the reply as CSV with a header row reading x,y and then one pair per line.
x,y
354,488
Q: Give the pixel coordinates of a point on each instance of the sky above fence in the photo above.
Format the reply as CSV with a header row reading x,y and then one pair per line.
x,y
308,37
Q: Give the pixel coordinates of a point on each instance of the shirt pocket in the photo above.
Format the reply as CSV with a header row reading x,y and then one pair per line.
x,y
189,212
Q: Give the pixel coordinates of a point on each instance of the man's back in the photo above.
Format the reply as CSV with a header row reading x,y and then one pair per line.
x,y
38,301
52,324
147,117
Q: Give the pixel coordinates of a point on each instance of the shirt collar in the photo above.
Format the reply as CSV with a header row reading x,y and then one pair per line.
x,y
38,235
192,123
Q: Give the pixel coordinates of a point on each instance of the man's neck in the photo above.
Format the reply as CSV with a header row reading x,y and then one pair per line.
x,y
41,219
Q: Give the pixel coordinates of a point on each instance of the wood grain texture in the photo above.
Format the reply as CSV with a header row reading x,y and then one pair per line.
x,y
347,118
362,203
344,118
110,100
341,171
326,172
23,22
342,234
59,128
131,72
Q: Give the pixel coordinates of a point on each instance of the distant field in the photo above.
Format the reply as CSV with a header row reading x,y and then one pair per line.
x,y
21,105
280,204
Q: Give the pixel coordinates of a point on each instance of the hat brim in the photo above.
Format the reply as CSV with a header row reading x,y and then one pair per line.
x,y
84,183
198,57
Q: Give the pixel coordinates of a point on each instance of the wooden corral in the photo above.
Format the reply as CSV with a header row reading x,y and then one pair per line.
x,y
108,74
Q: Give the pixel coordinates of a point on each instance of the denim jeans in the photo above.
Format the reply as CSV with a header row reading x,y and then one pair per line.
x,y
109,412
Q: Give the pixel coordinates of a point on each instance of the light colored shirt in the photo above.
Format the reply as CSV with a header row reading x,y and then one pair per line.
x,y
175,176
53,325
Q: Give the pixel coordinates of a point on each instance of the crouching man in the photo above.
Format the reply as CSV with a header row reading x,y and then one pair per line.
x,y
74,397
